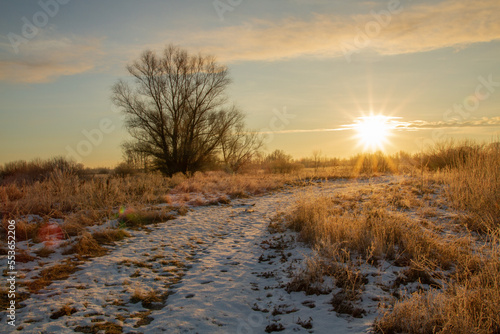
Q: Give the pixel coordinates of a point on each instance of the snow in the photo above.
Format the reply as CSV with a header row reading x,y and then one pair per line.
x,y
217,271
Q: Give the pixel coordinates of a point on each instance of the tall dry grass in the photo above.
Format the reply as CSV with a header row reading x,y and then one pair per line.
x,y
82,202
21,171
376,225
65,192
57,188
473,184
370,232
233,185
469,303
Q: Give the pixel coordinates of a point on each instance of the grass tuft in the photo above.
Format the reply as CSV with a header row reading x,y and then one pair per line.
x,y
53,273
65,310
86,246
109,236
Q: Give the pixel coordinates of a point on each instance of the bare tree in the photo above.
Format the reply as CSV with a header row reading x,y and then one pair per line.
x,y
280,162
316,157
135,156
239,146
176,109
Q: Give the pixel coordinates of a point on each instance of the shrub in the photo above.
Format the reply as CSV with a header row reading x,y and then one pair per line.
x,y
474,184
124,169
36,170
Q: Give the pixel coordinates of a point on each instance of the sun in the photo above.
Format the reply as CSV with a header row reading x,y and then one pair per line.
x,y
373,131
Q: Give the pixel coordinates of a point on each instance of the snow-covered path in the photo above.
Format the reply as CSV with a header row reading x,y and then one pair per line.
x,y
215,270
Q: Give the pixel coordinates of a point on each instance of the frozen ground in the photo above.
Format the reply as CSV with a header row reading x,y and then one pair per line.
x,y
215,270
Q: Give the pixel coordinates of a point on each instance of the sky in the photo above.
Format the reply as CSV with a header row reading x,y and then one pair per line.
x,y
305,73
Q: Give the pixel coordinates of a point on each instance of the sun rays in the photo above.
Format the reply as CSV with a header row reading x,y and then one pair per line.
x,y
373,132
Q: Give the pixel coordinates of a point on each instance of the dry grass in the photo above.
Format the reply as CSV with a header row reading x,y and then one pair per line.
x,y
142,217
144,318
71,196
141,295
74,225
106,328
109,236
5,300
82,202
237,185
65,310
149,299
24,230
53,273
311,279
362,227
44,252
380,224
274,327
470,301
64,193
86,247
369,232
474,185
465,307
331,262
469,304
23,256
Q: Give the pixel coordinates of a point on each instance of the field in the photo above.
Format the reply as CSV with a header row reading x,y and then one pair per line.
x,y
376,246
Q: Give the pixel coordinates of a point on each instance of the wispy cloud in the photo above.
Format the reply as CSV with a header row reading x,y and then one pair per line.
x,y
48,57
472,123
302,131
414,28
396,124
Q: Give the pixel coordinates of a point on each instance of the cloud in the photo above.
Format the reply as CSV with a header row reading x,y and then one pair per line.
x,y
424,125
48,57
395,124
447,24
410,28
301,131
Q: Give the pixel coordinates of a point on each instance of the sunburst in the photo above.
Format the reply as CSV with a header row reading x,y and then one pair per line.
x,y
373,131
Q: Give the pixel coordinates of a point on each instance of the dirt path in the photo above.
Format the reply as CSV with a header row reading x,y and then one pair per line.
x,y
215,270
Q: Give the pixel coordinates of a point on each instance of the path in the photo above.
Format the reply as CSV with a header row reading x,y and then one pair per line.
x,y
215,270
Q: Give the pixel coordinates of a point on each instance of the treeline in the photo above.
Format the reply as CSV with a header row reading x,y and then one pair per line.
x,y
442,156
36,169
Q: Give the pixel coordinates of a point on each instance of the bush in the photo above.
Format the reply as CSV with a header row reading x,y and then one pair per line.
x,y
450,155
124,169
22,171
474,183
282,163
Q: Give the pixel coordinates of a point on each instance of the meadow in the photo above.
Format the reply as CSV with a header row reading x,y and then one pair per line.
x,y
432,222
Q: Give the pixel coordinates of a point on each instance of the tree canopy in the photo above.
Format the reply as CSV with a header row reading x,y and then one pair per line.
x,y
177,111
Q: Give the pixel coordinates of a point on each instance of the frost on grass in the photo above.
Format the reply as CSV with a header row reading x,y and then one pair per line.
x,y
446,277
353,255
